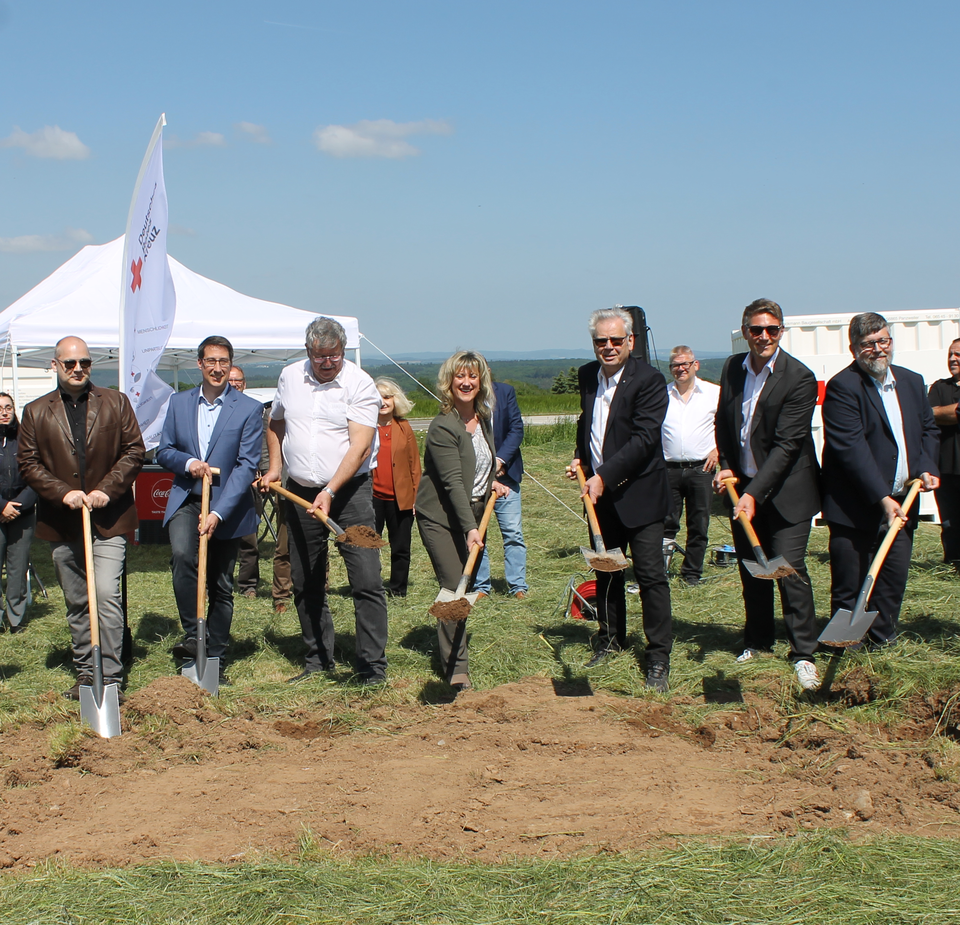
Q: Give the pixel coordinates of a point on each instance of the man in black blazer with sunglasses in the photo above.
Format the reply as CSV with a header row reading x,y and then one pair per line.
x,y
623,403
764,440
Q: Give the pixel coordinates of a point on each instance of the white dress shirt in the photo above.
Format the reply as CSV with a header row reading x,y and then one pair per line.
x,y
752,388
315,415
891,404
606,389
689,426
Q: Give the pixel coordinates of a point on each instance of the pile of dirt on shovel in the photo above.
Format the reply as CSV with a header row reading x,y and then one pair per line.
x,y
362,536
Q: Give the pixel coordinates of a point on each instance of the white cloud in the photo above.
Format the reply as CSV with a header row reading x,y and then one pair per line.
x,y
200,140
376,137
257,133
50,141
181,230
36,243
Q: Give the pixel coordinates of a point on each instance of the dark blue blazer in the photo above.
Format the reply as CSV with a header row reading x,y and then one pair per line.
x,y
234,450
859,449
508,430
633,471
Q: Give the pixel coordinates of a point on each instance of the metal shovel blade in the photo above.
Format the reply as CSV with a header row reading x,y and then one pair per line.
x,y
847,628
775,568
105,718
445,596
610,560
208,679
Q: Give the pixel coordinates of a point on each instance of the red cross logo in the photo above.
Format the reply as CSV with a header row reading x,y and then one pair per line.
x,y
135,268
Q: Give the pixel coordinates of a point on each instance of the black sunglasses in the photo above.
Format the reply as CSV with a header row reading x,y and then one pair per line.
x,y
70,365
614,341
772,329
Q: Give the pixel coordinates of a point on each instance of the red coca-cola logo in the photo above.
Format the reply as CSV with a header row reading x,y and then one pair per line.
x,y
161,490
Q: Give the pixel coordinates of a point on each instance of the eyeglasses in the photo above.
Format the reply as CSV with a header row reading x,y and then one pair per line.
x,y
216,362
325,360
881,343
773,330
70,365
237,381
679,366
599,342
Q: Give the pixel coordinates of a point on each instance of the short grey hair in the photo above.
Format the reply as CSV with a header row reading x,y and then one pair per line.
x,y
865,324
682,350
610,314
325,333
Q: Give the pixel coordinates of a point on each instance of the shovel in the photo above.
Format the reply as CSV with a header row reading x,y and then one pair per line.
x,y
99,703
845,628
603,560
339,534
445,596
203,671
771,569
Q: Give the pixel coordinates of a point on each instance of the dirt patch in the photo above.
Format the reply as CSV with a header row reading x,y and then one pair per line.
x,y
451,611
607,564
362,535
515,771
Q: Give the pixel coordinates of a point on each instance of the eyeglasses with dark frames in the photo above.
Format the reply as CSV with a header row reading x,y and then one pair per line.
x,y
214,362
772,330
70,365
881,343
682,365
599,342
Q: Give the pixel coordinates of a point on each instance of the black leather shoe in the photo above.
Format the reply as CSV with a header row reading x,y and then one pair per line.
x,y
74,692
377,680
186,648
601,655
658,676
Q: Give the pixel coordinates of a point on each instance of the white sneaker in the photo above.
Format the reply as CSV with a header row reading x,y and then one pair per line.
x,y
746,655
807,675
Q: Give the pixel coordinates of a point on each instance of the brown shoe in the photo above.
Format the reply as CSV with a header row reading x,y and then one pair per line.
x,y
521,595
74,692
250,593
481,595
279,607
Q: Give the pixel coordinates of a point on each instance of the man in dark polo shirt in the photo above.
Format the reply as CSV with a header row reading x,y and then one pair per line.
x,y
944,395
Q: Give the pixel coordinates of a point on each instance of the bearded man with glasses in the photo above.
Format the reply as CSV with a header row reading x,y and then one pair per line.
x,y
623,401
879,433
80,446
765,441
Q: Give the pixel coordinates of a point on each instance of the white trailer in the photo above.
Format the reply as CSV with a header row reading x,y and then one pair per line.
x,y
920,342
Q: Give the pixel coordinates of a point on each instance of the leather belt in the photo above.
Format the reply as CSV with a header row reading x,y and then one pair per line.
x,y
686,464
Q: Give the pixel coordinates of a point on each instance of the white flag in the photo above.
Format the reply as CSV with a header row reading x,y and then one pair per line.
x,y
148,300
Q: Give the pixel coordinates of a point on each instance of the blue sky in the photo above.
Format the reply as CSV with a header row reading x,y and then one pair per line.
x,y
485,174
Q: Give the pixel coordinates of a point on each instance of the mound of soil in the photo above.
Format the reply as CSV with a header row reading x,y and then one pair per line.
x,y
534,768
361,535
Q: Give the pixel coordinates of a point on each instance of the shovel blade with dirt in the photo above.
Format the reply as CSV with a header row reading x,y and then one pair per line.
x,y
99,702
203,671
600,559
454,606
846,628
768,569
355,535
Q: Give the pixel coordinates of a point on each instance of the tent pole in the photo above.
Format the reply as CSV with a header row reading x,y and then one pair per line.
x,y
176,375
16,378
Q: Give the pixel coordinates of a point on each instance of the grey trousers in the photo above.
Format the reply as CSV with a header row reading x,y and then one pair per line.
x,y
108,558
15,540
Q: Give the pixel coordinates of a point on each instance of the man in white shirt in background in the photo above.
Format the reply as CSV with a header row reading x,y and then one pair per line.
x,y
690,451
323,428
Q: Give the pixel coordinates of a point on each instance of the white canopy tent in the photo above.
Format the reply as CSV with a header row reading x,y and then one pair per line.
x,y
82,298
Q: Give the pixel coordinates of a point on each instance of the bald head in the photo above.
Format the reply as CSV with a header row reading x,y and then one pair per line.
x,y
71,360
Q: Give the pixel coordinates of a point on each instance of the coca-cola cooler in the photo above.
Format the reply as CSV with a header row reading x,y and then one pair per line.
x,y
153,489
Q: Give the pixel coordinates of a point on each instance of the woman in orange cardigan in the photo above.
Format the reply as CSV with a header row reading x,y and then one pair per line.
x,y
395,480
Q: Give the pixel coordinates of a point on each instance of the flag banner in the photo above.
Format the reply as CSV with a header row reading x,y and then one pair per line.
x,y
148,300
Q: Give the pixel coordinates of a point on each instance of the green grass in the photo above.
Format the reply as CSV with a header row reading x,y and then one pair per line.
x,y
799,881
805,880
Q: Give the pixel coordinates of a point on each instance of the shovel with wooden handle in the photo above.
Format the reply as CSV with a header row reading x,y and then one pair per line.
x,y
339,534
445,595
771,569
203,671
847,628
99,703
601,559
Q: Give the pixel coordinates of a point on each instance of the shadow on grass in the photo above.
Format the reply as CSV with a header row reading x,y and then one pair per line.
x,y
243,647
9,671
564,552
721,689
571,685
422,639
435,692
929,626
60,657
289,647
154,627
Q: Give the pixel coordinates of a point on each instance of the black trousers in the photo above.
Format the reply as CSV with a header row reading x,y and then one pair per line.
x,y
646,547
221,559
948,504
695,487
851,552
399,529
778,537
308,564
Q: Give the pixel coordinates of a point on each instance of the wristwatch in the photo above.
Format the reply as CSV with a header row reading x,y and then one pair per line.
x,y
329,491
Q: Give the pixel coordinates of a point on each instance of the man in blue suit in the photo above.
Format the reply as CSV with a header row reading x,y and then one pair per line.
x,y
213,426
507,437
879,433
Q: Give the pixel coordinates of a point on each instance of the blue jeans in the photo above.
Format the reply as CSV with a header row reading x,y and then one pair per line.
x,y
507,511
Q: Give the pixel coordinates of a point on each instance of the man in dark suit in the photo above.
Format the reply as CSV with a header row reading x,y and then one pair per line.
x,y
213,426
764,440
507,435
622,405
80,446
879,433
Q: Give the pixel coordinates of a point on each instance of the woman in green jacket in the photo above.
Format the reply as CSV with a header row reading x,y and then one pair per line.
x,y
458,468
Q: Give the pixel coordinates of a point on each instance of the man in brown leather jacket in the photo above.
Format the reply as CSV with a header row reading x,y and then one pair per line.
x,y
80,445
